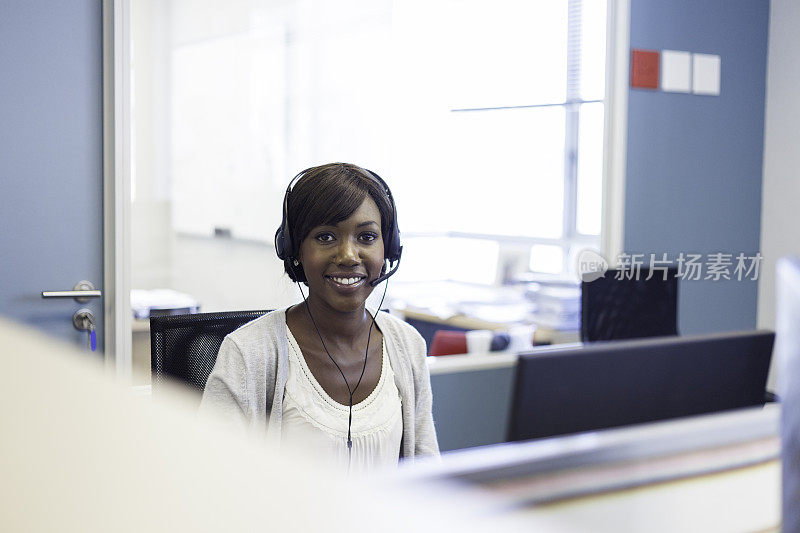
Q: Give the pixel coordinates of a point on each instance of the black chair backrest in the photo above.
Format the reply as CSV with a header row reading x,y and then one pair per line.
x,y
613,309
184,347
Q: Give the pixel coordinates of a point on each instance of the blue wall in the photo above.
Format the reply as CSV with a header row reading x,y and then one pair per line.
x,y
694,163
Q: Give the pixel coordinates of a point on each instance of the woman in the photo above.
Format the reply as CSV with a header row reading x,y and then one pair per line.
x,y
350,383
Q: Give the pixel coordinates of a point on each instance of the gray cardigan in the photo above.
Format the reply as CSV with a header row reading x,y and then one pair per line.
x,y
249,377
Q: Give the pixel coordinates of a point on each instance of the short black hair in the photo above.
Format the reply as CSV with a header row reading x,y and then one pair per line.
x,y
329,194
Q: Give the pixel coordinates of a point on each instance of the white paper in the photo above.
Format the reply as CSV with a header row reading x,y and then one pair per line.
x,y
706,75
676,71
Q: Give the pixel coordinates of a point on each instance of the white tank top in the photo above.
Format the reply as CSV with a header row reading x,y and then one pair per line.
x,y
316,422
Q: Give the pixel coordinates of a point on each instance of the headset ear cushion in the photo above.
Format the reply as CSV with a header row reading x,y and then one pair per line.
x,y
394,250
283,244
392,246
279,244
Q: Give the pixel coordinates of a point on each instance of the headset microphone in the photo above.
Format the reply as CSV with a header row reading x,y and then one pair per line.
x,y
391,272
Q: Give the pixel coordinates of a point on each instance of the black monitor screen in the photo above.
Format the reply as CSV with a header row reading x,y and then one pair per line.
x,y
626,305
616,383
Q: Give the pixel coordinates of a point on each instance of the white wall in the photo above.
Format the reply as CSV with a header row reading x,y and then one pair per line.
x,y
227,274
151,225
780,225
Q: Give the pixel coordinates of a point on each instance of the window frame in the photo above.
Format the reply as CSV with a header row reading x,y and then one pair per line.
x,y
609,240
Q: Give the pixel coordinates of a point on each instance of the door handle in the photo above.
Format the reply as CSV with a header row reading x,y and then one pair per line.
x,y
82,292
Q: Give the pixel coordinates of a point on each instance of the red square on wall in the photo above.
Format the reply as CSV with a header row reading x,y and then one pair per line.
x,y
644,69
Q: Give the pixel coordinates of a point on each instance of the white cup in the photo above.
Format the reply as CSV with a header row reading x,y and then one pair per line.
x,y
479,341
521,338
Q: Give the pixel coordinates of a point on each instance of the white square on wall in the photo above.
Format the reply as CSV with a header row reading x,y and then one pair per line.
x,y
706,75
676,71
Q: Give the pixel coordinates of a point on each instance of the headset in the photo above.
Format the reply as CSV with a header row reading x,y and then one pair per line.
x,y
391,253
392,250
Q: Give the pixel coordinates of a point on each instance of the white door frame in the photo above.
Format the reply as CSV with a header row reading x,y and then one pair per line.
x,y
616,128
117,187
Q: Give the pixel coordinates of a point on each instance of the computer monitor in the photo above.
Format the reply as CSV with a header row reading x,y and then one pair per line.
x,y
608,384
625,304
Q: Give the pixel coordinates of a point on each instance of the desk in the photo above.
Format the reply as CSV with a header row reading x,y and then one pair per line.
x,y
542,335
464,306
718,472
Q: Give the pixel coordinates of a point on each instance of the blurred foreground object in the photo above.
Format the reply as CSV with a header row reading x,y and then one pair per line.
x,y
787,358
710,473
80,452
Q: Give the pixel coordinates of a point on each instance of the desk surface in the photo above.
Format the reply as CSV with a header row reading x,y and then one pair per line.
x,y
494,308
717,472
741,499
444,364
543,334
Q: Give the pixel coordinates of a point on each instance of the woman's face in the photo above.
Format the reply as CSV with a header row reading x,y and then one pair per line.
x,y
340,260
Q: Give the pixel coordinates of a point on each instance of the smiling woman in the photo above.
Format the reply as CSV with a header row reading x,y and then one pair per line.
x,y
348,383
340,259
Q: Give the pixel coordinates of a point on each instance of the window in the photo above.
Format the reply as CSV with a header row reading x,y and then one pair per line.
x,y
486,119
515,118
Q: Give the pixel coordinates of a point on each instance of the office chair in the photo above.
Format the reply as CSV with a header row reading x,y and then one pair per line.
x,y
184,347
629,308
